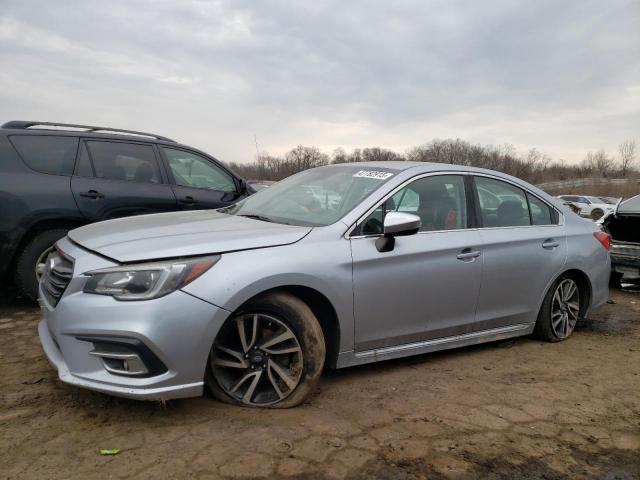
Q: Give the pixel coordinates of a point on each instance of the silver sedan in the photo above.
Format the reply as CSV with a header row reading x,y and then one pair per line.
x,y
340,265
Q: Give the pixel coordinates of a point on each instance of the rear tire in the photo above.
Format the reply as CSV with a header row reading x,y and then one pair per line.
x,y
268,354
35,252
560,311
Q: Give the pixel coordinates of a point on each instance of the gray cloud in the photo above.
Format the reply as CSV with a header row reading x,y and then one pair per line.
x,y
560,76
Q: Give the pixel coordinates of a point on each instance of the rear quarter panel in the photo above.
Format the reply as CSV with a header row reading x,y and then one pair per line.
x,y
27,197
586,253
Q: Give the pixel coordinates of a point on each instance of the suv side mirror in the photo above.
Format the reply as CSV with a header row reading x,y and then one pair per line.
x,y
242,186
397,224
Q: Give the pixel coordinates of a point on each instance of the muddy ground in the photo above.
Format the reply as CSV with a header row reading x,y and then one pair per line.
x,y
516,409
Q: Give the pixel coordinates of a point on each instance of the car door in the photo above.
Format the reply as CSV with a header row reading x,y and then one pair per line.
x,y
428,285
198,182
524,248
118,179
584,205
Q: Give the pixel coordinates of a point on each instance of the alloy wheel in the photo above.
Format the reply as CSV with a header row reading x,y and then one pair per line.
x,y
565,308
41,263
257,359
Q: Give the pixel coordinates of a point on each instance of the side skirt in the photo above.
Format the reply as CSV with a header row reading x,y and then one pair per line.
x,y
351,358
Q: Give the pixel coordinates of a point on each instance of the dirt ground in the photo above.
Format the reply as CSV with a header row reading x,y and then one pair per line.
x,y
515,409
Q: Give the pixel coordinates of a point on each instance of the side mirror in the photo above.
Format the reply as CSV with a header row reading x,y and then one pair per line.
x,y
243,186
397,224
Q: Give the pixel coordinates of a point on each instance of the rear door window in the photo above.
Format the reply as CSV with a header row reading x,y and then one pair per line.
x,y
84,168
131,162
508,206
55,155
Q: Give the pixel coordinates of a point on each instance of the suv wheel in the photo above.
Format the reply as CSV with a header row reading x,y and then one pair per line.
x,y
596,213
270,354
31,262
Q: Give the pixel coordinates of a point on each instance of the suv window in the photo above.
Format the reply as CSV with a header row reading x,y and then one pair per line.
x,y
84,168
438,200
47,154
511,208
123,161
191,170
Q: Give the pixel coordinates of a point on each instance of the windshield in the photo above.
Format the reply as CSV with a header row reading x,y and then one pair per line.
x,y
316,197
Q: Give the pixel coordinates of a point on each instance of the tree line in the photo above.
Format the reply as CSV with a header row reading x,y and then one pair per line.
x,y
534,166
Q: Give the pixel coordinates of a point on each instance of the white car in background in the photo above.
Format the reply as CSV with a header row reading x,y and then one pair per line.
x,y
591,207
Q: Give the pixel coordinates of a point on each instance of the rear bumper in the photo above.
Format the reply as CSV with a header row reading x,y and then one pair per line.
x,y
625,258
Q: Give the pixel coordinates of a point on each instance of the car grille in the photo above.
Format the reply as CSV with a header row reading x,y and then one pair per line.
x,y
56,276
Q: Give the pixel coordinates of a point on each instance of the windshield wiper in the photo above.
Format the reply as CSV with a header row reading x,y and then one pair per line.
x,y
263,218
258,217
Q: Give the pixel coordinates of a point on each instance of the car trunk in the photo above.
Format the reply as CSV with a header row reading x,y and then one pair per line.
x,y
624,228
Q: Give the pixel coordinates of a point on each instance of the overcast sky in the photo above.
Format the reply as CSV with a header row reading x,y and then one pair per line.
x,y
561,76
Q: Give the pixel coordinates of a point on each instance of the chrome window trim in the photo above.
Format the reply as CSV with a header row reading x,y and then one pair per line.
x,y
351,228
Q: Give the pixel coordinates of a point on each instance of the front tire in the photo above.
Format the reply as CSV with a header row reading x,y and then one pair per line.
x,y
30,263
269,354
560,310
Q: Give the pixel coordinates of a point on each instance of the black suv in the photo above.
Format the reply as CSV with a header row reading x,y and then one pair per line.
x,y
56,177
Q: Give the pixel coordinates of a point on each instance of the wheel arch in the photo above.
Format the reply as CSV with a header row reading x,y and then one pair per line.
x,y
323,310
585,286
583,283
39,227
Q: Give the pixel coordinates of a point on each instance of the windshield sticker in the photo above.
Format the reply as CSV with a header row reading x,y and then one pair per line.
x,y
377,174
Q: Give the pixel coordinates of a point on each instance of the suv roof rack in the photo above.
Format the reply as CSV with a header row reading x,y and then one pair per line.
x,y
24,125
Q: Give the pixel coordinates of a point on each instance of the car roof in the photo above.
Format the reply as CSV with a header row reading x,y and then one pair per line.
x,y
56,127
401,165
18,127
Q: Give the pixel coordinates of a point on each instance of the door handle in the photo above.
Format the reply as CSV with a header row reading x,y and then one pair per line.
x,y
550,244
93,194
468,254
189,200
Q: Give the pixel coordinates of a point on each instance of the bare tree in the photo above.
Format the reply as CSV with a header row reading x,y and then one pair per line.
x,y
627,151
598,163
532,166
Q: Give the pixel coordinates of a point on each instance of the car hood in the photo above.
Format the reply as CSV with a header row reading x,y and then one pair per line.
x,y
180,234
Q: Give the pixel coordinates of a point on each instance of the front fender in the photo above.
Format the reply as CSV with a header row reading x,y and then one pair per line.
x,y
324,266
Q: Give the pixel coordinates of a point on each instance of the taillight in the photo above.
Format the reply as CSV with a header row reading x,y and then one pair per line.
x,y
604,238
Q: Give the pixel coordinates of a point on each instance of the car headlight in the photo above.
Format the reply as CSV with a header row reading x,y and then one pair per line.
x,y
147,280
